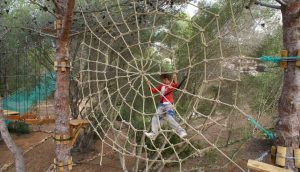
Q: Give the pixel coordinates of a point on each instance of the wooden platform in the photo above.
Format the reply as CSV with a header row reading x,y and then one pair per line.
x,y
27,118
76,122
9,112
39,121
75,126
263,167
13,117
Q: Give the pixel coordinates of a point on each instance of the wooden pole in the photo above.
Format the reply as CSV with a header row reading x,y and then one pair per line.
x,y
64,14
287,126
17,152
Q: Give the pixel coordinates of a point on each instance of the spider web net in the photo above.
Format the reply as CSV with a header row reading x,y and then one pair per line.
x,y
129,42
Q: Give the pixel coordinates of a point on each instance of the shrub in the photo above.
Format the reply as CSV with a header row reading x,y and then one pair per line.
x,y
19,127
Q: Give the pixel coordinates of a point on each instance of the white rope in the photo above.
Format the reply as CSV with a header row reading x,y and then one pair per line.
x,y
116,63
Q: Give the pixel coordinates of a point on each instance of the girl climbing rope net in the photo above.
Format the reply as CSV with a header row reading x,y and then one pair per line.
x,y
165,109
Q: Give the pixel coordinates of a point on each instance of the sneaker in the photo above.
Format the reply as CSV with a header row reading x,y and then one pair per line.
x,y
151,135
182,134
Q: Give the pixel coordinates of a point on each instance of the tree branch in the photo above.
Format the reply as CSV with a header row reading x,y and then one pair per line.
x,y
17,152
55,4
126,3
267,5
30,29
296,15
42,6
4,33
281,2
57,7
67,21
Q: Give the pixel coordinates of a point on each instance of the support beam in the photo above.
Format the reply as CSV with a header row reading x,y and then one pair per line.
x,y
75,126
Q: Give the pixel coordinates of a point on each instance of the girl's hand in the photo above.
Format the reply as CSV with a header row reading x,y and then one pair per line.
x,y
148,82
174,76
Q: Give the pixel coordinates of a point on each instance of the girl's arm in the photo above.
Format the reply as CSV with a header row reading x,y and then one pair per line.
x,y
154,90
174,78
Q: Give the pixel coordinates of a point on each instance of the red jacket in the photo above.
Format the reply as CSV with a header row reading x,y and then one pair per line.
x,y
167,92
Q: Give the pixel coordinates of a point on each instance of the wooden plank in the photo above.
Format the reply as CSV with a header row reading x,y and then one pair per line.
x,y
47,121
284,53
29,116
263,167
76,122
39,121
297,156
32,121
13,117
280,156
10,112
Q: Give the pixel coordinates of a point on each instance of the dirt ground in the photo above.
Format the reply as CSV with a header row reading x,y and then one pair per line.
x,y
39,155
37,159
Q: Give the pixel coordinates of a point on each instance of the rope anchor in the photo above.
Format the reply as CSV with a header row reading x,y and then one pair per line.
x,y
63,65
283,60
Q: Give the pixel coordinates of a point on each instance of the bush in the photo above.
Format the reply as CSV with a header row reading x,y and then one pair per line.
x,y
18,127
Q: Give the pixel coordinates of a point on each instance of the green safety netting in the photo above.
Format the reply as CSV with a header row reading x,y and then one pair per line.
x,y
22,100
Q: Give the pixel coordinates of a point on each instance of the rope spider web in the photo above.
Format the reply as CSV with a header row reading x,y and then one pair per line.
x,y
130,42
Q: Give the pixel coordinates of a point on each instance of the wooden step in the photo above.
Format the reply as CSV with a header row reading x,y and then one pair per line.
x,y
264,167
77,122
39,121
10,112
13,117
75,126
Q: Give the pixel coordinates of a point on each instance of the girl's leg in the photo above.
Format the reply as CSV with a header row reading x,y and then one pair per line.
x,y
173,123
155,123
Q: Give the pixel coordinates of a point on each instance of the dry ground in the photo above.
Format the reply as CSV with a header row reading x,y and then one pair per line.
x,y
41,156
39,153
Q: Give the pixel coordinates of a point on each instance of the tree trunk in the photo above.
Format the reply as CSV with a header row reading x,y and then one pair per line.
x,y
64,12
287,127
19,159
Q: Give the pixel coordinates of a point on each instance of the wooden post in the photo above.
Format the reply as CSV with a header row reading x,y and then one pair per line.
x,y
297,157
273,154
284,53
280,156
298,61
17,152
64,13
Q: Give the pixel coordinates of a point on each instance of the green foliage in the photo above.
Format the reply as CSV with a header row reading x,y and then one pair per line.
x,y
211,156
169,149
247,132
262,90
25,55
18,127
272,45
